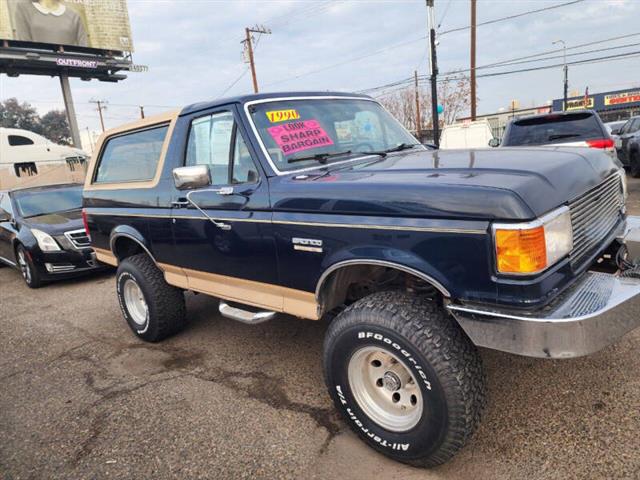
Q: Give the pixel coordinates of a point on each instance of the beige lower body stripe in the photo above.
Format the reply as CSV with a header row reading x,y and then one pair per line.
x,y
262,295
105,256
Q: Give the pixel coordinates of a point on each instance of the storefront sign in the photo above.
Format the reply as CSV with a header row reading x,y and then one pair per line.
x,y
579,103
622,98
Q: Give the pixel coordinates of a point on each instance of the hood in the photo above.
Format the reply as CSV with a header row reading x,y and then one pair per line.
x,y
56,223
505,183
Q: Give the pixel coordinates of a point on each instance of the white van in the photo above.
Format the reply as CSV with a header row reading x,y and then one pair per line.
x,y
466,135
29,159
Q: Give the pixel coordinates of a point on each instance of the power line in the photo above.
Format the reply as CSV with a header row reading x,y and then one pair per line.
x,y
510,17
516,60
587,61
244,72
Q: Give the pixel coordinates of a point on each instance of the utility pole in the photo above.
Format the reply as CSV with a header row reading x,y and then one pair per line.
x,y
248,44
433,66
473,60
566,72
418,122
141,111
101,105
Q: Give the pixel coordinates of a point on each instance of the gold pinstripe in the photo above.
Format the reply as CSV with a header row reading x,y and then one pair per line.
x,y
310,224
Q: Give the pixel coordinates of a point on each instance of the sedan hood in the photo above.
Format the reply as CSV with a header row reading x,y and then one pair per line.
x,y
505,183
56,223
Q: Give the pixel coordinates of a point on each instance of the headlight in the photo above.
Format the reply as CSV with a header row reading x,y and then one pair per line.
x,y
623,179
45,241
527,248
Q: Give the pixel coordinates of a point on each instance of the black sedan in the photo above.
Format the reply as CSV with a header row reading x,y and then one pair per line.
x,y
42,233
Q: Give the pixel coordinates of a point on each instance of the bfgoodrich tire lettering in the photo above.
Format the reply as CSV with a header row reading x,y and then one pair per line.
x,y
444,363
165,306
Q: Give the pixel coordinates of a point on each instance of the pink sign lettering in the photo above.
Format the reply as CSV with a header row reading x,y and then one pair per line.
x,y
297,136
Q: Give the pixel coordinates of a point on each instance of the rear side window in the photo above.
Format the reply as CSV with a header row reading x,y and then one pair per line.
x,y
132,157
19,140
553,129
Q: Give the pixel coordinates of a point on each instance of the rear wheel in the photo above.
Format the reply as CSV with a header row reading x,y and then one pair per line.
x,y
405,377
153,309
27,268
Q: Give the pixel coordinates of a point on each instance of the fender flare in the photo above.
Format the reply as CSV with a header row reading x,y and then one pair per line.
x,y
382,257
132,234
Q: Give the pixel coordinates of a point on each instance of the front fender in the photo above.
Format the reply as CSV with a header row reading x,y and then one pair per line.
x,y
384,256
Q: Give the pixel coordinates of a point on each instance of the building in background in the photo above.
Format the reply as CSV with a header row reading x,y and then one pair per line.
x,y
611,106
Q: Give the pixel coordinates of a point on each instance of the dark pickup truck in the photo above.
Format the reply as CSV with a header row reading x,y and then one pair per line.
x,y
322,206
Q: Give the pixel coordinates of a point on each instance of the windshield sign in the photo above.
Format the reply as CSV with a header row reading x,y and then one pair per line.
x,y
302,133
34,203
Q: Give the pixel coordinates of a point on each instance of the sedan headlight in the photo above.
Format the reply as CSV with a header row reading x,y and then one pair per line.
x,y
45,241
528,248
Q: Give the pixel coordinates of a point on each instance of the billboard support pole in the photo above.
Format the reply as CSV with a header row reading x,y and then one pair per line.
x,y
71,111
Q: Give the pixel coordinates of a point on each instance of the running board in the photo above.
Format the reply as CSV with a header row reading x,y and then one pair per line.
x,y
244,316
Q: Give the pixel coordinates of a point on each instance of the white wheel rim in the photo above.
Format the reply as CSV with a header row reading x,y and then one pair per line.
x,y
134,300
385,389
24,266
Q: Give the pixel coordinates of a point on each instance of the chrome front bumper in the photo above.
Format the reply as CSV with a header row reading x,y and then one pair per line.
x,y
594,313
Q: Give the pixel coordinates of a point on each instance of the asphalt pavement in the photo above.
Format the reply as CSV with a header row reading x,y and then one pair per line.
x,y
82,398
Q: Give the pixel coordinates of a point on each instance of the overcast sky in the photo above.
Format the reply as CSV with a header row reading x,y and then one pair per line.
x,y
193,51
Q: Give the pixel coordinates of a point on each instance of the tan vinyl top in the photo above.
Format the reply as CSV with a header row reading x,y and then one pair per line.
x,y
166,117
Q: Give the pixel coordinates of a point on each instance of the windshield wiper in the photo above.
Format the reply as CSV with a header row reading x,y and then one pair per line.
x,y
563,135
320,157
397,148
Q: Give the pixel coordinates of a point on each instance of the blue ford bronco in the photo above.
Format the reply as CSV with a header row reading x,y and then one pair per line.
x,y
322,206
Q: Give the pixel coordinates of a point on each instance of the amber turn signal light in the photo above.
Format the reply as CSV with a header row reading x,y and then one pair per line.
x,y
521,251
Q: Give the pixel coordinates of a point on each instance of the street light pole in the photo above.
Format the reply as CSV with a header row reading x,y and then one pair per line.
x,y
566,72
433,66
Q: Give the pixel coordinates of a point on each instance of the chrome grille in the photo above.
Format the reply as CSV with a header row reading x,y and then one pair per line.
x,y
78,238
593,215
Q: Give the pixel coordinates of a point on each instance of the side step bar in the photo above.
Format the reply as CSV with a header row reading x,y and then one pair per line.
x,y
244,316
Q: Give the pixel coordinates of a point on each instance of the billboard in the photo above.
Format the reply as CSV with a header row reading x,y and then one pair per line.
x,y
94,24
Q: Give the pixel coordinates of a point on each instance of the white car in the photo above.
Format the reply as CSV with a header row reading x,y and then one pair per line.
x,y
29,158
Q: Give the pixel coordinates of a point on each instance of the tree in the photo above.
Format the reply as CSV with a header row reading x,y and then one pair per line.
x,y
55,127
453,95
52,125
19,115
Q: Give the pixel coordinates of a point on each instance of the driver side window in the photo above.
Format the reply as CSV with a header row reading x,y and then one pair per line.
x,y
214,140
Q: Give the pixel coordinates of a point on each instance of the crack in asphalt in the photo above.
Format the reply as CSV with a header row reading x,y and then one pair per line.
x,y
258,385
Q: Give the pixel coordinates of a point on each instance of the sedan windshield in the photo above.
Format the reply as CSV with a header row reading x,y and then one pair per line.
x,y
32,203
303,133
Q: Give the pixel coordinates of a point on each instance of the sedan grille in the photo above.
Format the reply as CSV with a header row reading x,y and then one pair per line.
x,y
78,238
593,215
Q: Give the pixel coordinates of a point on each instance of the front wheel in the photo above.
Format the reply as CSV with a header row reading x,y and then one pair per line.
x,y
28,270
153,309
405,377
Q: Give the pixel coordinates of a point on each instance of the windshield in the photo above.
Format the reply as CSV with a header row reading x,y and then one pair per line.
x,y
551,129
301,133
42,202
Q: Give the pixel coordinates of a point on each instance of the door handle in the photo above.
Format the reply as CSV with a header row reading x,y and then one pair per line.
x,y
223,190
180,203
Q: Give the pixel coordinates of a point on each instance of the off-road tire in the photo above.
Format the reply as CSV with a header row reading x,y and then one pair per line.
x,y
34,279
634,164
166,311
422,333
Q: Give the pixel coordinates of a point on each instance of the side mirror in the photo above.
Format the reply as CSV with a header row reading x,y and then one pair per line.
x,y
615,131
5,217
196,176
494,142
